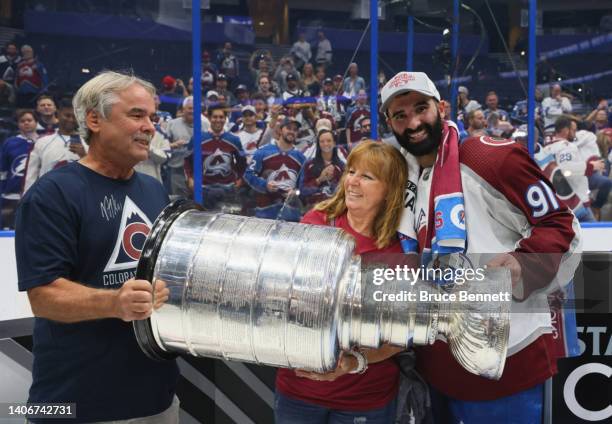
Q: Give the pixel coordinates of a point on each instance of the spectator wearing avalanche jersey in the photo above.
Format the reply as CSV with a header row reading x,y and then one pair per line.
x,y
13,159
223,161
79,234
274,174
322,173
56,150
31,78
250,135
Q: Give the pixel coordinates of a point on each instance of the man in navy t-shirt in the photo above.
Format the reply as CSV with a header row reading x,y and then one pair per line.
x,y
79,234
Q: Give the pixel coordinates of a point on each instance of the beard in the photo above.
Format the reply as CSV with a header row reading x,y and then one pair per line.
x,y
429,144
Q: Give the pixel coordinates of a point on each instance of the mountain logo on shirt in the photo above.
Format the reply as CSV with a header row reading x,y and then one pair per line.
x,y
284,177
219,163
133,231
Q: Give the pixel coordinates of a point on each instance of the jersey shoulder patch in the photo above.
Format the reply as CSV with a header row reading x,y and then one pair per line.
x,y
495,141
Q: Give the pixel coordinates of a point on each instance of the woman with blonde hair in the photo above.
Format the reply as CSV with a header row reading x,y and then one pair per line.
x,y
368,205
310,83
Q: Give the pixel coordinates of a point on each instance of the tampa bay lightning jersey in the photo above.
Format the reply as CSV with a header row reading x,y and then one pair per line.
x,y
13,161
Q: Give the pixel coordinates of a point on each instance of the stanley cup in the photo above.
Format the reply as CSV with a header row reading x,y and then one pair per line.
x,y
293,295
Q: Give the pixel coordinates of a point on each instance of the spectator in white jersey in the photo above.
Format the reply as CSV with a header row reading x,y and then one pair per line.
x,y
553,107
58,149
249,134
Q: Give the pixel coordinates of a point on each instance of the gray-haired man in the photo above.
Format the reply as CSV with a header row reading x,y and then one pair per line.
x,y
80,230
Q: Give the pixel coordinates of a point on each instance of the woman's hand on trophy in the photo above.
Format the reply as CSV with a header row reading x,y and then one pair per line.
x,y
346,364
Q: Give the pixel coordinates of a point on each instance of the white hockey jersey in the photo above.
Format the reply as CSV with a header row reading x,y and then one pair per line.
x,y
49,152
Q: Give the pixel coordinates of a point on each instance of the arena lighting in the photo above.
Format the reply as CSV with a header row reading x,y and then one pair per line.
x,y
445,32
559,79
261,23
85,70
522,52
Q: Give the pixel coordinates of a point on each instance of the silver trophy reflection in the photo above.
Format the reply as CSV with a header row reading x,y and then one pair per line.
x,y
294,295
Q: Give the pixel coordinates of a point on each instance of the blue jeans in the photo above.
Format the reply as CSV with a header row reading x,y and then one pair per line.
x,y
292,411
584,214
525,407
603,184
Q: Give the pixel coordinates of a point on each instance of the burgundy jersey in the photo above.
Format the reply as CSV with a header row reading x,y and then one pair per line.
x,y
223,160
510,206
354,124
272,164
315,193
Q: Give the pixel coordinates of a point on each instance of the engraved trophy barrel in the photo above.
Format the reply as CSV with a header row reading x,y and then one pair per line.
x,y
292,295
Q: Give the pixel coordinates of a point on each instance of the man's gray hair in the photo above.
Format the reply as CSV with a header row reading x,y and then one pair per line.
x,y
100,94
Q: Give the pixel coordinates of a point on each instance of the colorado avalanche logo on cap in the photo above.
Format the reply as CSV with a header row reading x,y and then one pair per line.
x,y
284,177
219,163
133,231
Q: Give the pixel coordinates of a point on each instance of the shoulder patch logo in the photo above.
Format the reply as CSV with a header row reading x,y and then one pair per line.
x,y
133,231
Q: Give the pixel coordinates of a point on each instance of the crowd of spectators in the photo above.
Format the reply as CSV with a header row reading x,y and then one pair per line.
x,y
277,145
575,150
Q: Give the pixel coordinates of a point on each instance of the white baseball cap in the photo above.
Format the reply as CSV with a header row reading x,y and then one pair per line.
x,y
248,108
405,82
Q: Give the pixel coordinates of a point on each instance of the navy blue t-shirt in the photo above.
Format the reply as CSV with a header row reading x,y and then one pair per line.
x,y
77,224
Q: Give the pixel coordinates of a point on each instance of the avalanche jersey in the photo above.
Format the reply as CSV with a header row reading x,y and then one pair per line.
x,y
43,129
510,206
31,76
354,124
315,193
50,152
223,160
270,163
13,160
250,142
573,165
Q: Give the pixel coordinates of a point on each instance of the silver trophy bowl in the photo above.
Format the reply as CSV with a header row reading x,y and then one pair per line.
x,y
293,295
